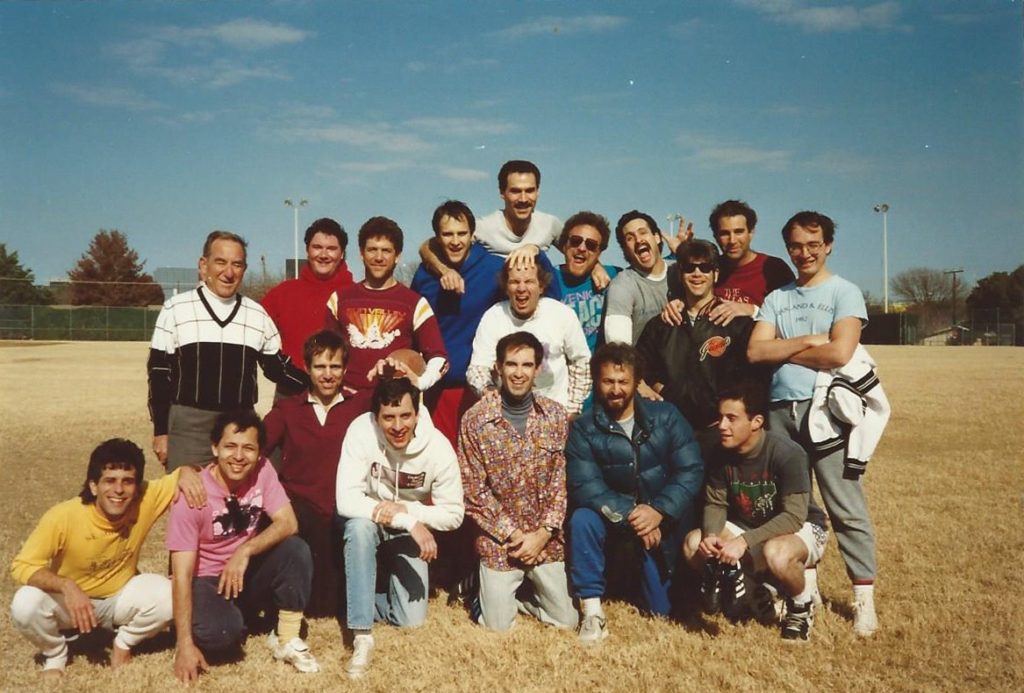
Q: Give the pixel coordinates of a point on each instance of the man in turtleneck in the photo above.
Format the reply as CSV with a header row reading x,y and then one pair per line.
x,y
513,470
687,364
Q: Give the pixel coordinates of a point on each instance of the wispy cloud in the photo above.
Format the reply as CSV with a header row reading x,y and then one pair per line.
x,y
463,174
553,26
107,96
196,54
451,66
816,18
375,136
464,127
685,29
712,152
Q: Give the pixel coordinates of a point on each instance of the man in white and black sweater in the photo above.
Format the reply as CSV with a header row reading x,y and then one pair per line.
x,y
202,361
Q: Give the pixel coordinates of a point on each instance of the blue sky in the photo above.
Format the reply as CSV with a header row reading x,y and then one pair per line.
x,y
166,120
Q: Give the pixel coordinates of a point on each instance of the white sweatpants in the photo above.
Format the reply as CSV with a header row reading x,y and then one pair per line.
x,y
139,611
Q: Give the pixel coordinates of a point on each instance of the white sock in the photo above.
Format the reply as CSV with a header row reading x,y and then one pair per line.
x,y
592,606
810,586
867,591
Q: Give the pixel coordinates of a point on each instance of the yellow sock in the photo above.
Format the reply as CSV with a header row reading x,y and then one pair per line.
x,y
288,625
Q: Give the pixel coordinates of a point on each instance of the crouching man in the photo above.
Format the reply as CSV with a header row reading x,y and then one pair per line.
x,y
634,470
759,515
79,565
237,556
398,479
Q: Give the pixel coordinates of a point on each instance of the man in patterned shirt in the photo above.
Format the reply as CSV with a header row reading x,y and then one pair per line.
x,y
513,474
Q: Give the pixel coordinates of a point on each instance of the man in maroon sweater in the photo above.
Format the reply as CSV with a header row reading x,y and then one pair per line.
x,y
297,305
309,428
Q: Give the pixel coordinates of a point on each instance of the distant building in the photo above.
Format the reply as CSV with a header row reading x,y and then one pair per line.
x,y
174,280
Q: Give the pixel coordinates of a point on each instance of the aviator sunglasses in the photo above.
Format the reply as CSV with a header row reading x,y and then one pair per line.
x,y
590,243
704,267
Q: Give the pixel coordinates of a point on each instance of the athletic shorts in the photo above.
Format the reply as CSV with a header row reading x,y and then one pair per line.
x,y
814,537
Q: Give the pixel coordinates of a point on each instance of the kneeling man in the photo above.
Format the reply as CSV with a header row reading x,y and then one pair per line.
x,y
229,562
758,515
398,479
79,566
513,465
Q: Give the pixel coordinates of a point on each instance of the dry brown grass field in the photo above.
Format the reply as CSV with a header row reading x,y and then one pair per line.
x,y
947,497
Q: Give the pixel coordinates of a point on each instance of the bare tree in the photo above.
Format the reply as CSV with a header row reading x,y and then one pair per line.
x,y
923,287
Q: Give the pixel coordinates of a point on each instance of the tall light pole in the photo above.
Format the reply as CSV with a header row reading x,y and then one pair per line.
x,y
884,210
295,209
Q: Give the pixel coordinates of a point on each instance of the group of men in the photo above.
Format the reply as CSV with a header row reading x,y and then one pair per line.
x,y
581,419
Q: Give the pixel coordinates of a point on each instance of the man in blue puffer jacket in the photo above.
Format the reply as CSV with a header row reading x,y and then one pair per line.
x,y
634,470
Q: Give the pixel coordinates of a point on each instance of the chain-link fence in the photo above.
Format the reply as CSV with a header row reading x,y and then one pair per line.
x,y
82,323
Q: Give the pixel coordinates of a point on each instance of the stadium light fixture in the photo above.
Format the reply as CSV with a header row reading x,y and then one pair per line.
x,y
295,233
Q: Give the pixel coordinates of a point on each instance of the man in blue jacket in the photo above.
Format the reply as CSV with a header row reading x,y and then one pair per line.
x,y
634,470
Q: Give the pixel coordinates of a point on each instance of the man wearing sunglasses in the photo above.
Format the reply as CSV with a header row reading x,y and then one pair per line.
x,y
584,236
687,364
812,325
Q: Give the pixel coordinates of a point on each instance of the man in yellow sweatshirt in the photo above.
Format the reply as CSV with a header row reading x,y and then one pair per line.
x,y
79,567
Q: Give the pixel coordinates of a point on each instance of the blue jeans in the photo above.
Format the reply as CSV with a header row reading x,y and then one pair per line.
x,y
385,579
277,579
589,538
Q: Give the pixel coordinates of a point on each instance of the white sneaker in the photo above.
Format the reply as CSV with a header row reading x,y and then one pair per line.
x,y
865,622
593,629
295,652
362,649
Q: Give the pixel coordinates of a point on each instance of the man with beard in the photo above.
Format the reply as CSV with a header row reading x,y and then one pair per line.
x,y
563,376
297,305
309,428
634,471
398,483
513,469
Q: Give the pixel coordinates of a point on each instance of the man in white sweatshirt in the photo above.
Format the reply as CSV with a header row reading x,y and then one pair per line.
x,y
393,462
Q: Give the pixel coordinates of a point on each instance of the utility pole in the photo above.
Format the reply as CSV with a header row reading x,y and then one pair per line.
x,y
883,209
954,273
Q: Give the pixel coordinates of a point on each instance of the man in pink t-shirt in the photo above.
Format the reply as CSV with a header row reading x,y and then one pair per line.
x,y
227,560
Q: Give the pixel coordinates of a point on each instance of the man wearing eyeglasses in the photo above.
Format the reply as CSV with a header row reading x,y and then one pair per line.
x,y
687,364
584,236
810,325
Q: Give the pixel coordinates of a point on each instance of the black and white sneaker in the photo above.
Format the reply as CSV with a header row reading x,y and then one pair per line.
x,y
735,603
711,587
798,621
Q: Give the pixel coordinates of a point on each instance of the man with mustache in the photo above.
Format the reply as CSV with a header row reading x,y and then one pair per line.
x,y
517,232
633,470
640,291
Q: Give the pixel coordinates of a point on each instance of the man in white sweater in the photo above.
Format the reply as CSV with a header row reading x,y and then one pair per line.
x,y
398,479
564,375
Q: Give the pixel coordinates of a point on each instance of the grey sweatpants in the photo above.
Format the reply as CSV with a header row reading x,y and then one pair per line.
x,y
844,499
